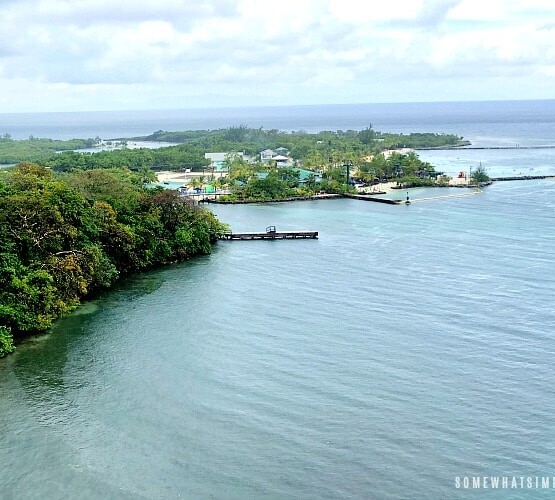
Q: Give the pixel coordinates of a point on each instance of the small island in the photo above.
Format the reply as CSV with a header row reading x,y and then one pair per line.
x,y
253,165
262,165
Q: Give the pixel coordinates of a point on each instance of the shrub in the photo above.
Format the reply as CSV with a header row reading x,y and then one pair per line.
x,y
6,341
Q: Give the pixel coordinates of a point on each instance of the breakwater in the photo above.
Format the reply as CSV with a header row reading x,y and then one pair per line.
x,y
524,178
366,197
489,148
373,197
276,200
363,197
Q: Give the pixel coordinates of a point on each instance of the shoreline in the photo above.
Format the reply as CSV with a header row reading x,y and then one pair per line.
x,y
475,189
372,193
327,196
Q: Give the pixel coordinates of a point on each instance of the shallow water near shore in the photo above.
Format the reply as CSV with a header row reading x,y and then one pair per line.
x,y
406,346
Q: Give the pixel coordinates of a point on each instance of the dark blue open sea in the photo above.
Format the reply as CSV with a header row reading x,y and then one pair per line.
x,y
407,350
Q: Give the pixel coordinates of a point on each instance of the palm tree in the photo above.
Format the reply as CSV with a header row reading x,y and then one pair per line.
x,y
195,182
147,175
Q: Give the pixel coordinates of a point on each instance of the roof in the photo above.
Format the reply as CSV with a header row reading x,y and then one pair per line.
x,y
215,156
280,158
306,174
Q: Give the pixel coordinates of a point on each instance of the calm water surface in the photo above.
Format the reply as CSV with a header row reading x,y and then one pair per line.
x,y
405,347
493,123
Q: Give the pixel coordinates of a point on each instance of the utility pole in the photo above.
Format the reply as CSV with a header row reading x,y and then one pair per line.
x,y
348,165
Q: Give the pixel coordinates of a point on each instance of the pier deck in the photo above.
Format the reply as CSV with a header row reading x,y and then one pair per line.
x,y
271,235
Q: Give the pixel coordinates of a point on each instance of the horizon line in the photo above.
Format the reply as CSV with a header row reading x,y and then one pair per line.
x,y
267,106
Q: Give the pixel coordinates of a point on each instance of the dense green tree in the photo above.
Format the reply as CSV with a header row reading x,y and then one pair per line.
x,y
66,236
6,341
321,150
35,150
480,175
367,136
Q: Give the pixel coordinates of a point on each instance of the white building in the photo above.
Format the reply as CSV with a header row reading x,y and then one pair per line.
x,y
279,156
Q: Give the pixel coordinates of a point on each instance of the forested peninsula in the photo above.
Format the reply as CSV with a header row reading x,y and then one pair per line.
x,y
67,236
311,150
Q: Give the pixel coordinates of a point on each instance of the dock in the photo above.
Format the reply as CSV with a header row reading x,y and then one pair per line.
x,y
271,234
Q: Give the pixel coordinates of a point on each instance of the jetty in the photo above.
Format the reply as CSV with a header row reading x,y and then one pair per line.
x,y
524,178
270,234
322,196
369,197
465,147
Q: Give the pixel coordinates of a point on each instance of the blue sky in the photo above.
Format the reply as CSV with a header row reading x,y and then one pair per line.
x,y
61,55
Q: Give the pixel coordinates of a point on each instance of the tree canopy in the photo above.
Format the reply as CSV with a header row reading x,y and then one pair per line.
x,y
480,175
64,237
37,150
311,150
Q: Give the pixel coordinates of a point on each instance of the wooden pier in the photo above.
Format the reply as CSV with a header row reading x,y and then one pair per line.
x,y
271,234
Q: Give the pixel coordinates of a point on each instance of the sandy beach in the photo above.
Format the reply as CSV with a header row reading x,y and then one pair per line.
x,y
386,187
184,177
459,181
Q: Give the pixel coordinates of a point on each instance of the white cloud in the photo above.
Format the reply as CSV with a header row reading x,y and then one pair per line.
x,y
502,11
354,11
145,54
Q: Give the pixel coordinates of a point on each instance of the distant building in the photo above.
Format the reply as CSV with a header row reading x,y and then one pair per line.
x,y
279,156
306,175
402,151
282,161
218,160
267,155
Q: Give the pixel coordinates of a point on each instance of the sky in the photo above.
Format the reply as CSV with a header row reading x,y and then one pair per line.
x,y
87,55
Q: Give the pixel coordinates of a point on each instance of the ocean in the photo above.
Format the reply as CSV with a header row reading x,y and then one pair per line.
x,y
484,123
403,354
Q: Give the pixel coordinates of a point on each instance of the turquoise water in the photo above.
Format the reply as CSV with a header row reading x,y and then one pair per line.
x,y
407,346
171,184
498,163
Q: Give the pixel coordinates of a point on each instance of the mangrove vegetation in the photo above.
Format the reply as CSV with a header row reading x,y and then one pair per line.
x,y
67,236
37,150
